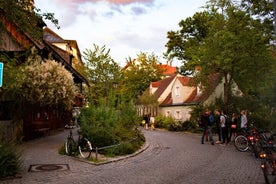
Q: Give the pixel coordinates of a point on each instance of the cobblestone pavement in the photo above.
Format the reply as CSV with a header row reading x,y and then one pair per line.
x,y
170,158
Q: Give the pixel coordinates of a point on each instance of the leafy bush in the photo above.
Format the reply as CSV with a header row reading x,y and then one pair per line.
x,y
189,125
176,126
10,163
107,126
163,121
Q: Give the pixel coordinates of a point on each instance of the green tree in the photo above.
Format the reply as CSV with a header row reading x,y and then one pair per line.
x,y
46,83
102,72
37,82
28,18
139,73
262,10
234,47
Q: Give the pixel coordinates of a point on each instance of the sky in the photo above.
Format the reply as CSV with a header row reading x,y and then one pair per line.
x,y
126,27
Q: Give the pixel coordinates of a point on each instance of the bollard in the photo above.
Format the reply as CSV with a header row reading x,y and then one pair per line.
x,y
96,153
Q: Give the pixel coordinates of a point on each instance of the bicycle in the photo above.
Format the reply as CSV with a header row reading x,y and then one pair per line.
x,y
250,139
82,146
268,160
245,138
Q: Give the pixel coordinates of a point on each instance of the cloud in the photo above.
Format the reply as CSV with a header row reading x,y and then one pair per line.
x,y
70,10
117,2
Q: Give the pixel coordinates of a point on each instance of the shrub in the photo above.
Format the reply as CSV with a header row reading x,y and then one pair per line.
x,y
107,126
189,125
163,121
10,163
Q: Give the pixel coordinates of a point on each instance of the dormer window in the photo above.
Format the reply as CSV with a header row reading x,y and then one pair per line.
x,y
177,91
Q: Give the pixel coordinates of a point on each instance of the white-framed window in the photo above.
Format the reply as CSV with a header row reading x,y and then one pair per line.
x,y
177,115
168,113
177,91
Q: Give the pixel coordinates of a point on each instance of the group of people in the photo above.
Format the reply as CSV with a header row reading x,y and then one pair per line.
x,y
226,127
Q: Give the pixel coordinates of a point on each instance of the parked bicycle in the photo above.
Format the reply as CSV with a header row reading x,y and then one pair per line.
x,y
82,146
245,138
251,139
268,160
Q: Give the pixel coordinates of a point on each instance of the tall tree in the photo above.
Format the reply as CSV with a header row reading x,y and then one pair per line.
x,y
27,17
139,73
234,46
102,71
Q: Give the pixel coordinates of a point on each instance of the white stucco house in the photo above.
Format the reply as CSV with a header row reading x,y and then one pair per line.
x,y
177,94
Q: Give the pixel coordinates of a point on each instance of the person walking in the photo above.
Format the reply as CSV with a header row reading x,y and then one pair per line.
x,y
205,120
243,119
234,123
217,123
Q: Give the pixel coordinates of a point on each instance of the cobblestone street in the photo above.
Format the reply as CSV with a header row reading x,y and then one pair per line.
x,y
170,157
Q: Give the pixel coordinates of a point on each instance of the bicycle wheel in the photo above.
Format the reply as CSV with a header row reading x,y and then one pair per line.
x,y
269,173
241,143
70,146
85,148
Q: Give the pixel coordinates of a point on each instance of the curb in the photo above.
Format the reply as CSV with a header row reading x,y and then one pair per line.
x,y
116,159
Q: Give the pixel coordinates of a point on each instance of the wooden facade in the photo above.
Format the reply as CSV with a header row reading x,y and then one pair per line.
x,y
40,120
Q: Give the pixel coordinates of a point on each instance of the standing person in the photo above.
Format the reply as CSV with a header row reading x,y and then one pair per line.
x,y
223,127
218,128
75,114
146,119
152,119
243,119
211,117
234,123
205,120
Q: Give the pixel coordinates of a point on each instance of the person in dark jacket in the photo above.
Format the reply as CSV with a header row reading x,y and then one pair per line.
x,y
217,123
206,125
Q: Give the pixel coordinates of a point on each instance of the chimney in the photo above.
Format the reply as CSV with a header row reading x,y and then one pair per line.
x,y
197,68
28,4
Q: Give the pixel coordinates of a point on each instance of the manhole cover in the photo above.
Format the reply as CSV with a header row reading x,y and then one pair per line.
x,y
48,167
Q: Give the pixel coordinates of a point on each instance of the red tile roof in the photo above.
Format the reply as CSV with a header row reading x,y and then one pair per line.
x,y
162,85
194,97
168,69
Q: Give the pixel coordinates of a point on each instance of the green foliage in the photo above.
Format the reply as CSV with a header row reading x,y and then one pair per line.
x,y
163,121
170,124
43,82
106,126
47,83
227,40
127,147
261,114
102,72
148,99
262,10
189,125
36,82
26,16
10,163
139,73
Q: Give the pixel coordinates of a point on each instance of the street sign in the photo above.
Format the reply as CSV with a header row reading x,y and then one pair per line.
x,y
1,73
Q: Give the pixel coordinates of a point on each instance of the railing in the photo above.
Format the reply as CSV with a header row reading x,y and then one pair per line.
x,y
112,146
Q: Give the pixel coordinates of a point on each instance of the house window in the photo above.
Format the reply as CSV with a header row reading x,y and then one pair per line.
x,y
177,115
177,91
168,113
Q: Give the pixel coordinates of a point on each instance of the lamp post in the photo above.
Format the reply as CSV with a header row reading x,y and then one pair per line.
x,y
275,19
114,86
